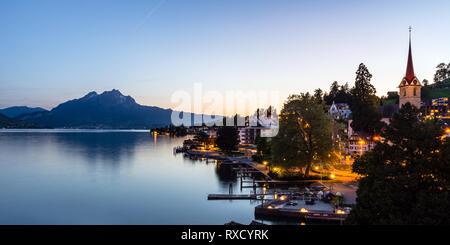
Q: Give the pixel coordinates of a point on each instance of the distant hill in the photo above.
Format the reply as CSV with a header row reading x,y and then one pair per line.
x,y
110,109
436,90
15,111
6,122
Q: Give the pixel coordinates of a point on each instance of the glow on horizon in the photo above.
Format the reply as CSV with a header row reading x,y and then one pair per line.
x,y
53,51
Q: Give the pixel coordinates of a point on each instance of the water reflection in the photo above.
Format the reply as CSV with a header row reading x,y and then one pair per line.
x,y
112,148
110,177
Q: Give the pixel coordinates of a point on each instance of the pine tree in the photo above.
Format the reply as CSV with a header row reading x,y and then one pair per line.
x,y
365,103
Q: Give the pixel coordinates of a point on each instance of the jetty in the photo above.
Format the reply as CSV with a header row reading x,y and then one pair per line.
x,y
236,162
232,197
300,210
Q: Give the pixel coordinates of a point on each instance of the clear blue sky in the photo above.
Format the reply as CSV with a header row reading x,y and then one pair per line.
x,y
52,51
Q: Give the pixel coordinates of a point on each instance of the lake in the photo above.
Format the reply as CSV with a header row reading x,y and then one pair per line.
x,y
110,177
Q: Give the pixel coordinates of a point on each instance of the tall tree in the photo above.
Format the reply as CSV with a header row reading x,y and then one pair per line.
x,y
318,95
338,94
305,134
227,138
406,177
365,103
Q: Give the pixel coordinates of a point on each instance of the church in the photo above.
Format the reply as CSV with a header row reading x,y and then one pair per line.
x,y
409,88
409,91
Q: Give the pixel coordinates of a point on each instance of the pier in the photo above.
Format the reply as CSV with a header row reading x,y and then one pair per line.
x,y
232,197
238,162
300,210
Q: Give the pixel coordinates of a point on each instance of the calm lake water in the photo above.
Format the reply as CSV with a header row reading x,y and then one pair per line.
x,y
109,177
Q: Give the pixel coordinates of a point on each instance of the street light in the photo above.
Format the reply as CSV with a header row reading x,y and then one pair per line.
x,y
361,143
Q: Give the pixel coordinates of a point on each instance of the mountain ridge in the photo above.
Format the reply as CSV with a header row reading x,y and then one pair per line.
x,y
6,122
108,110
15,111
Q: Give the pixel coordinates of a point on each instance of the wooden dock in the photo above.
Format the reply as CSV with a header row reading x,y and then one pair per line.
x,y
238,162
284,181
272,210
232,197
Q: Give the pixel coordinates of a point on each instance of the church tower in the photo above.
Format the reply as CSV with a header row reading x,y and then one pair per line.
x,y
409,88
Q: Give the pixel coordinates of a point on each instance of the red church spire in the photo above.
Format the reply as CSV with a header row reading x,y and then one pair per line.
x,y
409,68
410,78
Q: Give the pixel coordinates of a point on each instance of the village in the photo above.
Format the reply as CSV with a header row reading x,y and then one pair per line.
x,y
322,190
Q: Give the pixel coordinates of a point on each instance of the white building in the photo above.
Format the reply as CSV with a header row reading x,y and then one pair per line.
x,y
264,127
339,111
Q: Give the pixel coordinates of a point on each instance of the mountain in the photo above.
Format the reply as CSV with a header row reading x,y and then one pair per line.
x,y
110,109
15,111
6,122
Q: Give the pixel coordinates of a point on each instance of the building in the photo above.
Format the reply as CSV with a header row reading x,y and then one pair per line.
x,y
359,143
247,135
437,108
340,111
257,126
409,88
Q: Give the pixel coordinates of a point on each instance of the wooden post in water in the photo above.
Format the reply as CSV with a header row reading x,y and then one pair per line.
x,y
241,183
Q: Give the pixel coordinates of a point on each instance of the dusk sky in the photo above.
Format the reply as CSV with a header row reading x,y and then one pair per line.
x,y
53,51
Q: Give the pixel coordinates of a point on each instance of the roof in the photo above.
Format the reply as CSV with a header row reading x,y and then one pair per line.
x,y
410,78
388,110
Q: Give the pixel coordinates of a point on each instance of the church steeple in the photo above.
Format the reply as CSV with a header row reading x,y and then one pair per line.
x,y
410,78
410,67
409,89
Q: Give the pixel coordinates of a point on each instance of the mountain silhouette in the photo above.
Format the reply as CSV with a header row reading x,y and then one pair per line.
x,y
108,110
6,122
15,111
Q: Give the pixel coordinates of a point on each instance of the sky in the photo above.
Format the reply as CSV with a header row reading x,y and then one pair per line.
x,y
53,51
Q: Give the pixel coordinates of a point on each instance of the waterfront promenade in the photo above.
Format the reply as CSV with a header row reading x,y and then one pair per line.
x,y
344,181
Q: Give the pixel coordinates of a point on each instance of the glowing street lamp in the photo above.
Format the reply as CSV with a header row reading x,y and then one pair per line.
x,y
303,210
361,143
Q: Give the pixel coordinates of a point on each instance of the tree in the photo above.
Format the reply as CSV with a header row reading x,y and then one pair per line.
x,y
405,177
442,72
331,96
318,95
365,103
201,137
227,138
338,94
263,147
305,134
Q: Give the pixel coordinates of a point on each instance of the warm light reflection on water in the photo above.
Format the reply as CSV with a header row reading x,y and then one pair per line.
x,y
110,177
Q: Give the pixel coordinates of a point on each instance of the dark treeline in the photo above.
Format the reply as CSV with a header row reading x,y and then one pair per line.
x,y
177,131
